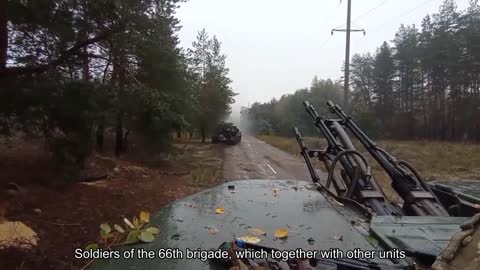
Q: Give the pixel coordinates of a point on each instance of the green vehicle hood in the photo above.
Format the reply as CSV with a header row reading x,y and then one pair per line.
x,y
314,222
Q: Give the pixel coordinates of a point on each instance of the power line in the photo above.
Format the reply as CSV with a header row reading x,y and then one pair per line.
x,y
406,13
364,14
325,42
415,8
369,11
332,14
380,26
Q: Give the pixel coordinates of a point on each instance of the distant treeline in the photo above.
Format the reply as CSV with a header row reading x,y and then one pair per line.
x,y
425,84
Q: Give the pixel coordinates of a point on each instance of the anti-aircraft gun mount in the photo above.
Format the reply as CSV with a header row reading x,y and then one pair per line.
x,y
355,182
418,225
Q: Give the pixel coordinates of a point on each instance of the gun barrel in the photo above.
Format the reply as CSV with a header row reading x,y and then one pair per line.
x,y
330,104
408,186
311,110
354,179
306,156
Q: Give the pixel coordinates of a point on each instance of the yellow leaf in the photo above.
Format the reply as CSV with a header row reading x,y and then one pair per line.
x,y
219,210
257,231
249,239
144,216
281,233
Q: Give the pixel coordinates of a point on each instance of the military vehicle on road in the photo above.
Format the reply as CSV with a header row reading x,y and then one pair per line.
x,y
227,133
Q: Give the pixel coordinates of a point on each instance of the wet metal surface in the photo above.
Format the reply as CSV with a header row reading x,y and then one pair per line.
x,y
264,204
429,235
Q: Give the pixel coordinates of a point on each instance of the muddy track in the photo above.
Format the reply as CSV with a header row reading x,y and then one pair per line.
x,y
255,159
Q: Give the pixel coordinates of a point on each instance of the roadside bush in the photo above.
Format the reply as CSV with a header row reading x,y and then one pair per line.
x,y
151,114
68,114
263,127
63,112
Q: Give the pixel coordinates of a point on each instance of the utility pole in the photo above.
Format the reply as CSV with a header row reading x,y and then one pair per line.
x,y
347,53
347,57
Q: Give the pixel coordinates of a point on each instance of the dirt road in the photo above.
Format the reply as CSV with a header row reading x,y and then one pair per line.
x,y
255,159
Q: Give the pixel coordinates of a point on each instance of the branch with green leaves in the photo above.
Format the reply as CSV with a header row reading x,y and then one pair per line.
x,y
137,230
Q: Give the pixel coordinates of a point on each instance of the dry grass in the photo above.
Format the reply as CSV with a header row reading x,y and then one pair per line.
x,y
204,161
290,144
438,160
435,160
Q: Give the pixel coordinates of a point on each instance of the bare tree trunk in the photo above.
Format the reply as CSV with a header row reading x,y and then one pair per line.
x,y
84,36
203,132
3,33
100,135
125,141
119,134
118,78
423,89
85,65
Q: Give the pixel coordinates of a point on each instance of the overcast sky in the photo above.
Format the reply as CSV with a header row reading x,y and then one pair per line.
x,y
275,47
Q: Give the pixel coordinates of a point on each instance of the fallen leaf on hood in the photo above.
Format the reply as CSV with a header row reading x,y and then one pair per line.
x,y
219,210
257,231
281,233
213,230
249,239
144,216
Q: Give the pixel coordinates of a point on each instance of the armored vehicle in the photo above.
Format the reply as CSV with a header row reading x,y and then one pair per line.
x,y
341,222
227,133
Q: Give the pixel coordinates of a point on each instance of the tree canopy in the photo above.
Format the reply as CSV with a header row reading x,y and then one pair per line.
x,y
72,70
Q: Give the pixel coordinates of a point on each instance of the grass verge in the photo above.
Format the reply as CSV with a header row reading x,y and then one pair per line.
x,y
435,160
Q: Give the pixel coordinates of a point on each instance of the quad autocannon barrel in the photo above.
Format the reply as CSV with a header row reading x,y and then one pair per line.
x,y
354,181
406,180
